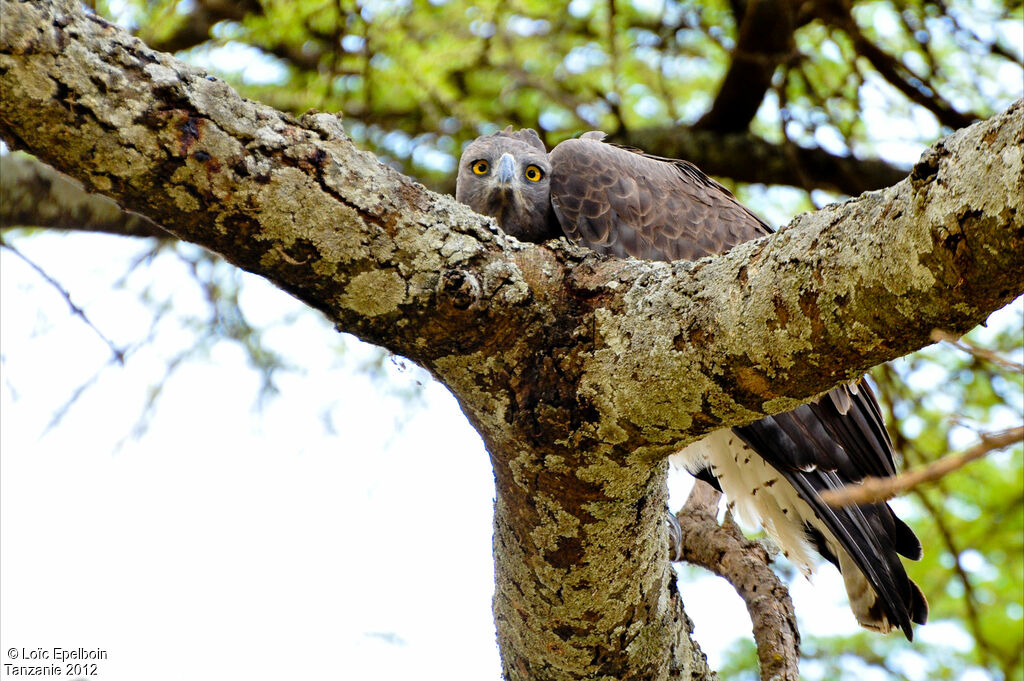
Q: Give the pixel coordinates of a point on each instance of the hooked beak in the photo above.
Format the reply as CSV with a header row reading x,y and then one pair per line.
x,y
505,173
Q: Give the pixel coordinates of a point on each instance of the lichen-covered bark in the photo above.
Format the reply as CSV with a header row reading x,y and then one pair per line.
x,y
581,374
746,565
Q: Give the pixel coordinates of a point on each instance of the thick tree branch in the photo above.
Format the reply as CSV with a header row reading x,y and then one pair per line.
x,y
580,373
745,157
33,194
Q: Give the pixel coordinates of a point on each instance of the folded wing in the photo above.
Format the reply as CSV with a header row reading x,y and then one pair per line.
x,y
624,202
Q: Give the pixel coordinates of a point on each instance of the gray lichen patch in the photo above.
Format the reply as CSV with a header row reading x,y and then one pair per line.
x,y
609,430
555,523
617,481
425,244
522,465
33,85
183,200
504,278
161,75
338,243
217,101
888,253
21,35
470,377
374,293
1012,159
329,222
270,139
458,248
780,404
638,378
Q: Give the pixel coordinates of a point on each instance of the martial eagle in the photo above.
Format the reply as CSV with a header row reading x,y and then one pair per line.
x,y
623,202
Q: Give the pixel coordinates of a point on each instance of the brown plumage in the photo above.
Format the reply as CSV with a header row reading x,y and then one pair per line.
x,y
624,202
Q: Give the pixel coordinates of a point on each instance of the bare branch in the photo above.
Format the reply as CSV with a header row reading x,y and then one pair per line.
x,y
118,353
967,346
724,550
916,89
874,489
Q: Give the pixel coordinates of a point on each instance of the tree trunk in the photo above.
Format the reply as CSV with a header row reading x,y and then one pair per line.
x,y
581,373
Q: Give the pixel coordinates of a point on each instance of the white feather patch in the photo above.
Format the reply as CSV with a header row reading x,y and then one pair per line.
x,y
758,493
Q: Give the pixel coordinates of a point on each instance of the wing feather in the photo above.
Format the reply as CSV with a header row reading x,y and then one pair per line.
x,y
818,447
624,202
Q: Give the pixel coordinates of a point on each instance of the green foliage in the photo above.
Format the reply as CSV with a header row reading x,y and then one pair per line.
x,y
740,661
416,79
973,520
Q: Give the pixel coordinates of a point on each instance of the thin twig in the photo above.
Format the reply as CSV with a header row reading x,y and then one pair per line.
x,y
75,310
874,489
970,348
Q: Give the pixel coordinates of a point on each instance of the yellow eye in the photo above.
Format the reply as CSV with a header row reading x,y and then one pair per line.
x,y
481,167
533,173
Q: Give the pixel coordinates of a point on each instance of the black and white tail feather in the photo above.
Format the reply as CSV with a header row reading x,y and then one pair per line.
x,y
773,471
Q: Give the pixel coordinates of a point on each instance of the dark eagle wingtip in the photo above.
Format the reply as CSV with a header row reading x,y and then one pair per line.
x,y
905,541
919,605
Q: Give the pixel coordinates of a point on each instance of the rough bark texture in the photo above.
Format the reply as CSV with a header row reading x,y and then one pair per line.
x,y
581,374
746,565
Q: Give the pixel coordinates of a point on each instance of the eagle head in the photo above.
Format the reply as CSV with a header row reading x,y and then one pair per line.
x,y
507,175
